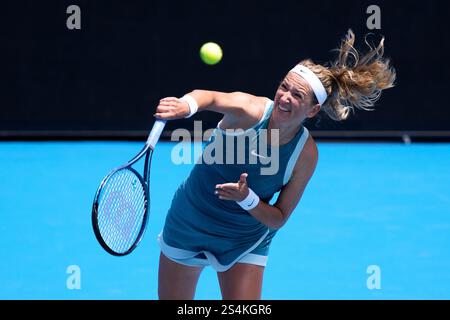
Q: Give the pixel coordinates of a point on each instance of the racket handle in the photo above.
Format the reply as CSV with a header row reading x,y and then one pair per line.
x,y
156,133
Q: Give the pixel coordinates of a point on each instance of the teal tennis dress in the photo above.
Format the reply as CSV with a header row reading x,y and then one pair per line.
x,y
201,229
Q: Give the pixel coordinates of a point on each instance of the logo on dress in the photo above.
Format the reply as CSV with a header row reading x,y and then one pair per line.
x,y
253,152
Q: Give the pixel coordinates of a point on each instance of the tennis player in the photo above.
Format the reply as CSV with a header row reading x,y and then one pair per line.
x,y
220,215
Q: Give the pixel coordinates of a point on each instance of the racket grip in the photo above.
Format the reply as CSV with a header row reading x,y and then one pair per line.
x,y
156,133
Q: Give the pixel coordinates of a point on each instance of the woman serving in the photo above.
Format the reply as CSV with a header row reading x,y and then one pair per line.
x,y
220,215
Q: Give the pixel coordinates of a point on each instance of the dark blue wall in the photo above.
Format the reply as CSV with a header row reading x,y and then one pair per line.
x,y
110,74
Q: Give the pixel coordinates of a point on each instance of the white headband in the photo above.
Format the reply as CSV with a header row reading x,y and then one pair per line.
x,y
313,80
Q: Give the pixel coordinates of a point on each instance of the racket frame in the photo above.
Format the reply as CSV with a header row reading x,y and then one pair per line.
x,y
147,150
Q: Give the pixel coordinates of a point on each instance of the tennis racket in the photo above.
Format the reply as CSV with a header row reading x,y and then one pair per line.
x,y
122,201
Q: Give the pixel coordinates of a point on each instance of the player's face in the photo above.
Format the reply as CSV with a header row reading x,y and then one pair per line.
x,y
293,101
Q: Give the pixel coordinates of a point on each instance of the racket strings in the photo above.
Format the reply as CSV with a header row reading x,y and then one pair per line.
x,y
121,210
122,218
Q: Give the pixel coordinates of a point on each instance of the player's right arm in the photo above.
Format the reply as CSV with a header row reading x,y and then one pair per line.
x,y
236,107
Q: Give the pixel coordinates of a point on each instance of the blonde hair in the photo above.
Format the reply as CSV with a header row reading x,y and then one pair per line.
x,y
353,82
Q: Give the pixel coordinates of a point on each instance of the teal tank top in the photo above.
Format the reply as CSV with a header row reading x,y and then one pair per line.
x,y
199,222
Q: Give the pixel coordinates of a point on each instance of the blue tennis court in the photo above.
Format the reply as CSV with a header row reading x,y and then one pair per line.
x,y
369,204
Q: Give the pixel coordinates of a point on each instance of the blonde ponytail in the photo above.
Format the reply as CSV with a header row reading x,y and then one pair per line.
x,y
353,81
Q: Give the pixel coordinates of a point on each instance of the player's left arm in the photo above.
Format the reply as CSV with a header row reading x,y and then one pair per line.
x,y
275,216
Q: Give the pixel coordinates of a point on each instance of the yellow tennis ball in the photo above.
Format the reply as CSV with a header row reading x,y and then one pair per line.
x,y
211,53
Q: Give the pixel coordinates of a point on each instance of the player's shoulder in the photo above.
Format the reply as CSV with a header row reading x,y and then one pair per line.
x,y
311,149
309,156
257,105
250,99
252,105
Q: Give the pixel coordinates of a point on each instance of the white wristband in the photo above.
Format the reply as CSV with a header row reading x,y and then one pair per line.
x,y
250,202
193,105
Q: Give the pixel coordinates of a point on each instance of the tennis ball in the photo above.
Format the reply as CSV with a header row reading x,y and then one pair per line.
x,y
211,53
